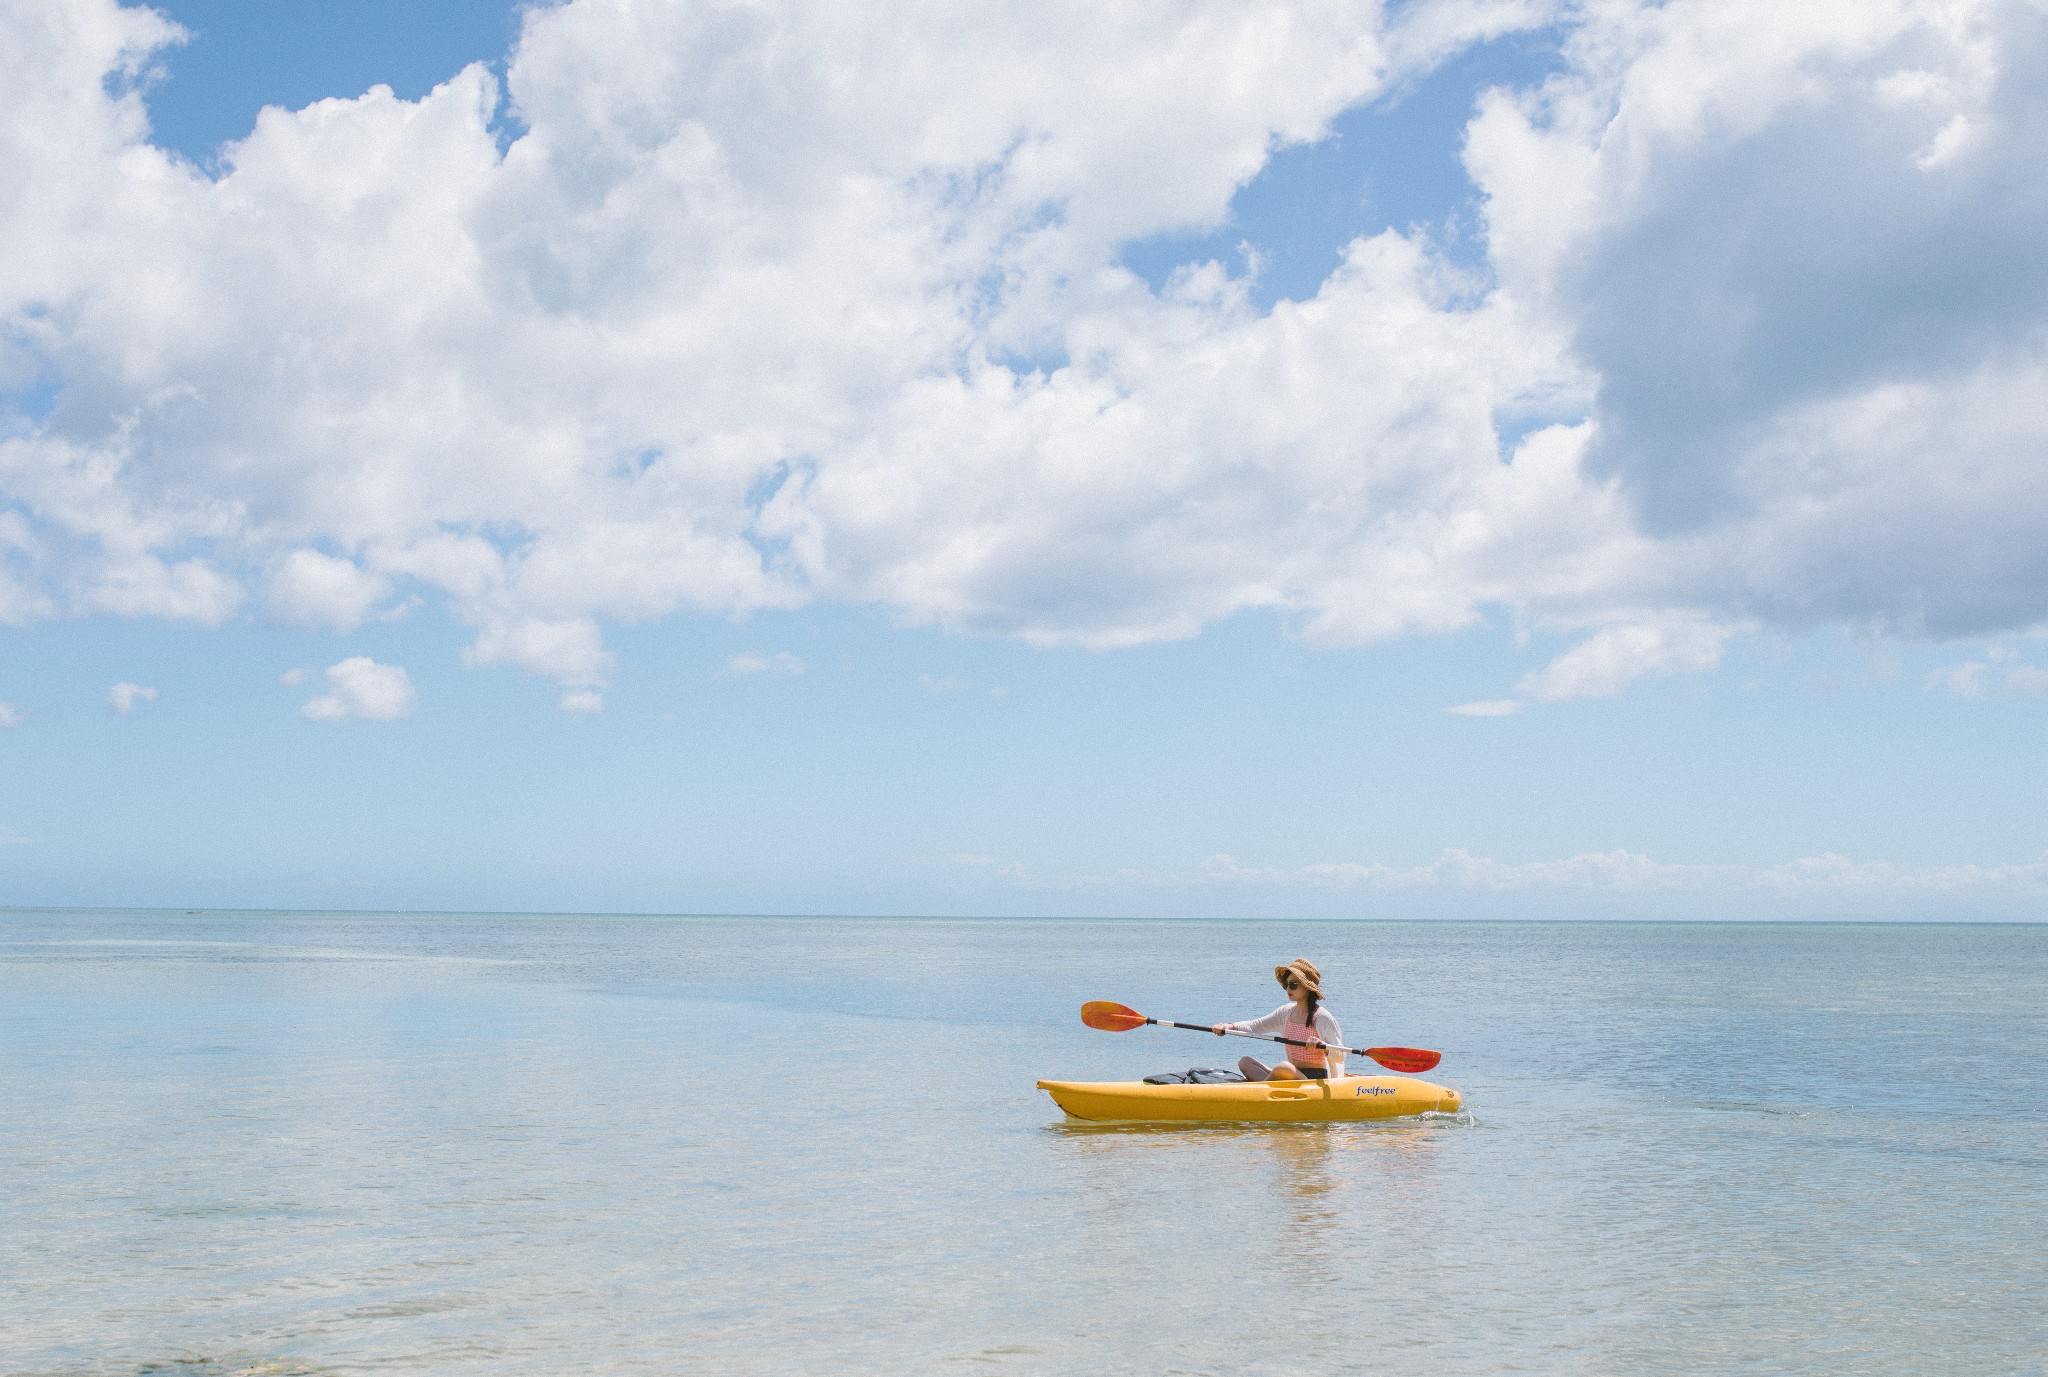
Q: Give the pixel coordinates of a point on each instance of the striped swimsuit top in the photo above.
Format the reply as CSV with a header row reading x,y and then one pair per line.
x,y
1304,1056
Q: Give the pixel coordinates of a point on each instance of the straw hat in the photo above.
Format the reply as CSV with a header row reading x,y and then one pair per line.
x,y
1304,971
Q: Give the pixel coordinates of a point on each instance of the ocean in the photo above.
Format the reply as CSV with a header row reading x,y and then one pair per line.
x,y
282,1143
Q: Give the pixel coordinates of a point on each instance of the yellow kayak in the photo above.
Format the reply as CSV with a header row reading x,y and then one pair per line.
x,y
1279,1102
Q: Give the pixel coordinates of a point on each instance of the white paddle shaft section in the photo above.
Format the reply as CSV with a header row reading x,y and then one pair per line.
x,y
1261,1037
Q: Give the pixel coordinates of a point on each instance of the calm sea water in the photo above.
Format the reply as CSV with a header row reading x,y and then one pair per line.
x,y
287,1143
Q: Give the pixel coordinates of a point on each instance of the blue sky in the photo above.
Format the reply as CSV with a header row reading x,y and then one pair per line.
x,y
1355,467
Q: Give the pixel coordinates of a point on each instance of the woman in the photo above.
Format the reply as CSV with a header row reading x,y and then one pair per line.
x,y
1304,1019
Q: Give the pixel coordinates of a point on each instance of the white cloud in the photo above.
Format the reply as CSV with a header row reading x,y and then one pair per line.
x,y
1948,144
570,650
123,697
1964,680
1001,869
292,678
312,589
1826,882
1764,278
361,690
11,716
1972,678
1495,707
781,663
2026,679
1820,353
1606,663
582,702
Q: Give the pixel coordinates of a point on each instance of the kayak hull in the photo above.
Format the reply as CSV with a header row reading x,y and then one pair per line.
x,y
1266,1102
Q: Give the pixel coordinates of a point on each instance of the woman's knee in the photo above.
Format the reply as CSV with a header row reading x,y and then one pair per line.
x,y
1252,1068
1287,1071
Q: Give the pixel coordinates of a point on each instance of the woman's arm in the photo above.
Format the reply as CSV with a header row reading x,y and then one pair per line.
x,y
1331,1036
1267,1023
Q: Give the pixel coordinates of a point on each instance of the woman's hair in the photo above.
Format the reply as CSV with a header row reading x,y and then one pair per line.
x,y
1315,1002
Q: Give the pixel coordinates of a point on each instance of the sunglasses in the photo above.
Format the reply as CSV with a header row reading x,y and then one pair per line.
x,y
1288,982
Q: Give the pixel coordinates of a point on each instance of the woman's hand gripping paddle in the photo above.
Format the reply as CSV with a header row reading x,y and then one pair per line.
x,y
1118,1018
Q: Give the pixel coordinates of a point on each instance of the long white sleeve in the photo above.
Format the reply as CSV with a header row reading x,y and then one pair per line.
x,y
1327,1029
1270,1023
1276,1022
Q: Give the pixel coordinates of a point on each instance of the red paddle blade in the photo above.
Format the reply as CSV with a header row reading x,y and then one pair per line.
x,y
1111,1018
1409,1060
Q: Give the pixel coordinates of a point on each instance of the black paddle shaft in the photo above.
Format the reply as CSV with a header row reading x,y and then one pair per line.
x,y
1266,1037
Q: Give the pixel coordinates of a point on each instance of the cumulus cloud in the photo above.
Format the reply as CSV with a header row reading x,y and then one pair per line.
x,y
570,650
312,589
1758,342
582,702
781,663
11,716
361,690
123,697
1492,707
1798,248
1606,663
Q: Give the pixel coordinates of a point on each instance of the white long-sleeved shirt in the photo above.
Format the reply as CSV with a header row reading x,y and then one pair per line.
x,y
1276,1022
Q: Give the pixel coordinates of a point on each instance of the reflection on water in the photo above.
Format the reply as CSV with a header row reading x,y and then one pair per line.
x,y
320,1144
1309,1198
1316,1188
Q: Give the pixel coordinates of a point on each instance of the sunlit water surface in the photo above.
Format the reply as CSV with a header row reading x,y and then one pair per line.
x,y
274,1144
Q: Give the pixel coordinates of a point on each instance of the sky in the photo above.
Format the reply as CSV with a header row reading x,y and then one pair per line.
x,y
1487,459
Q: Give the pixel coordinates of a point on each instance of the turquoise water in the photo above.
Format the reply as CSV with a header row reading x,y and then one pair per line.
x,y
269,1143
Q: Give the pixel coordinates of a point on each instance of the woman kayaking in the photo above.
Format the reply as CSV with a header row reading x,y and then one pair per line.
x,y
1303,1018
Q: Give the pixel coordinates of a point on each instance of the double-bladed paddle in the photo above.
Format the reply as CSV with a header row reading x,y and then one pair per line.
x,y
1118,1018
